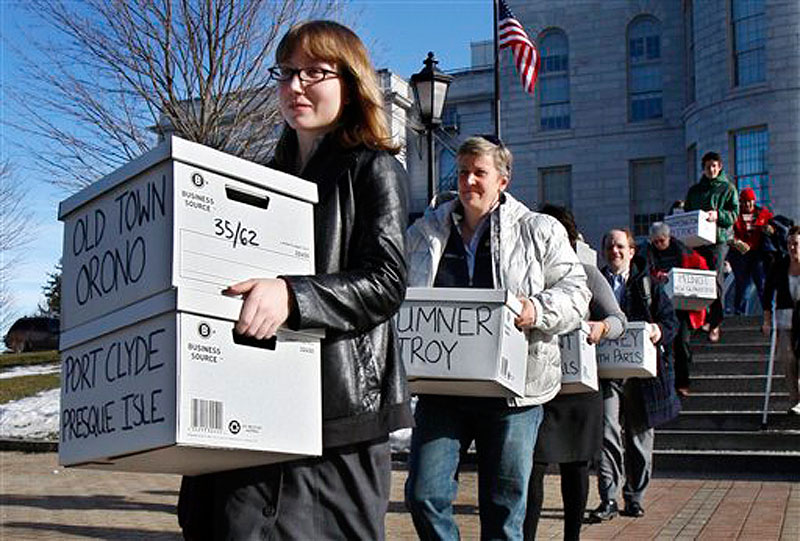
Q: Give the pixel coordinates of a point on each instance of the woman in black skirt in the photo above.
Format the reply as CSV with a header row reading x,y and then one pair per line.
x,y
571,433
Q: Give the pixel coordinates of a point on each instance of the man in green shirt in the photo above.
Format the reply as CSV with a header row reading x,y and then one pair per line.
x,y
715,194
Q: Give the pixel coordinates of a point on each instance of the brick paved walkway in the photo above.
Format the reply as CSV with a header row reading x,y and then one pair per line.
x,y
40,501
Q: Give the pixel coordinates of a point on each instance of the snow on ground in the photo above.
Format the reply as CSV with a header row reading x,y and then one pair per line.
x,y
31,418
36,369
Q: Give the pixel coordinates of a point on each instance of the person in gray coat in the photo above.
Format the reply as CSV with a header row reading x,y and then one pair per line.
x,y
571,433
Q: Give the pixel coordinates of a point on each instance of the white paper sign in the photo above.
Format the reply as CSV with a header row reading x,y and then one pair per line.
x,y
691,289
693,228
632,355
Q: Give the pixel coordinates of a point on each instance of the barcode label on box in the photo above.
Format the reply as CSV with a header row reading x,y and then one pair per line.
x,y
206,414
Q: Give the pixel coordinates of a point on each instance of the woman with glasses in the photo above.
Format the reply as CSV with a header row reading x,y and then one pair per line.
x,y
337,137
484,238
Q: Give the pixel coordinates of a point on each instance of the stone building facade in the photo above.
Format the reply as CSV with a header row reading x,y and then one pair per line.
x,y
631,94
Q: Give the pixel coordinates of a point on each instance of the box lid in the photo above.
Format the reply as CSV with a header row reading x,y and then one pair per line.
x,y
464,294
200,156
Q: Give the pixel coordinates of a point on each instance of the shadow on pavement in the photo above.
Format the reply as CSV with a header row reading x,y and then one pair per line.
x,y
108,502
94,532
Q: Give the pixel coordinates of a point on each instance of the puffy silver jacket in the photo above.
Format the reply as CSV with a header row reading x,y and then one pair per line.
x,y
531,257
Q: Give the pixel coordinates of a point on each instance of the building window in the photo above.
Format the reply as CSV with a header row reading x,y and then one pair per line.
x,y
647,199
688,29
450,118
750,168
448,171
644,69
553,83
555,185
749,33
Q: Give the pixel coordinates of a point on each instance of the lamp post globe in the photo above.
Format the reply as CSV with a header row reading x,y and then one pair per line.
x,y
430,91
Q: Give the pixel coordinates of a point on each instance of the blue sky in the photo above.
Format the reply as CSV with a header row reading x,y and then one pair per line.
x,y
399,34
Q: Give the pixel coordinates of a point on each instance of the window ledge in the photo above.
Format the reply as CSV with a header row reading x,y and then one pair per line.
x,y
745,91
541,135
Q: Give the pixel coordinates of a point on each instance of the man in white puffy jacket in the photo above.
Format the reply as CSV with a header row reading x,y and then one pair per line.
x,y
485,238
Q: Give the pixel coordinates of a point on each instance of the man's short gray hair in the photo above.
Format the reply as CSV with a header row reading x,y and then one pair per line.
x,y
659,229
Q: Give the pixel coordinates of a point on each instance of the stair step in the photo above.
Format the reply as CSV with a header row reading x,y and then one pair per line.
x,y
729,464
767,440
728,367
726,420
735,383
732,336
733,402
728,347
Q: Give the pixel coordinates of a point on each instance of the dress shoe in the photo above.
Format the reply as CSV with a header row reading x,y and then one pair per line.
x,y
605,511
632,509
713,335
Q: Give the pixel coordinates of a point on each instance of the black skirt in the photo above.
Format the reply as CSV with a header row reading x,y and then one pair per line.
x,y
572,429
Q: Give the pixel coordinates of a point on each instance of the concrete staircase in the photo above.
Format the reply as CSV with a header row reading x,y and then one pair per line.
x,y
720,431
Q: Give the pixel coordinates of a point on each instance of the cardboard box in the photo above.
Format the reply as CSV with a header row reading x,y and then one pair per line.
x,y
181,216
691,289
692,228
457,341
632,355
175,394
578,362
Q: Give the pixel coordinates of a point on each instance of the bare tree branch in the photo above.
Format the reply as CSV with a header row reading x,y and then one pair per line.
x,y
123,72
16,232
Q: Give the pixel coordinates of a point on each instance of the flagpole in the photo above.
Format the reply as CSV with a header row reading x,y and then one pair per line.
x,y
496,73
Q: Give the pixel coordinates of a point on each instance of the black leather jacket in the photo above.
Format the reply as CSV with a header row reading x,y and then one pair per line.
x,y
359,227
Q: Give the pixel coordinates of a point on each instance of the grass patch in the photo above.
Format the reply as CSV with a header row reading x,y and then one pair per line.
x,y
8,360
22,386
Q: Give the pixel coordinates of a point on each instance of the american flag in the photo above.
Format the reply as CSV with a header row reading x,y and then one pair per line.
x,y
526,57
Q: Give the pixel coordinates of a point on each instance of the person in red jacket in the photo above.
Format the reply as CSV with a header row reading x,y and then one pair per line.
x,y
663,253
747,257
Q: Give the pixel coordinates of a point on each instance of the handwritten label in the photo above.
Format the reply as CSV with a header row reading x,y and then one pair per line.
x,y
244,236
109,386
108,251
431,334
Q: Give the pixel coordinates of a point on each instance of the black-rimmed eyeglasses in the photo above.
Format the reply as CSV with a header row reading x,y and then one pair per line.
x,y
307,75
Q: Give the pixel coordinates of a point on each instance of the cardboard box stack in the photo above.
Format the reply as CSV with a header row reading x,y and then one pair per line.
x,y
456,341
693,228
632,355
153,377
691,289
578,362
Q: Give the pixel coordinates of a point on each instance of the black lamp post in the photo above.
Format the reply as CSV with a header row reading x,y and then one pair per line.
x,y
430,90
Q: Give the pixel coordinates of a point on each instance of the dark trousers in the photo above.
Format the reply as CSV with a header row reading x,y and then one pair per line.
x,y
714,255
344,494
574,492
682,350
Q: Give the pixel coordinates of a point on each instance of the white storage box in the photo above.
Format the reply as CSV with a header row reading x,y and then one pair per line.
x,y
692,228
175,394
458,341
181,215
691,289
632,355
578,362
